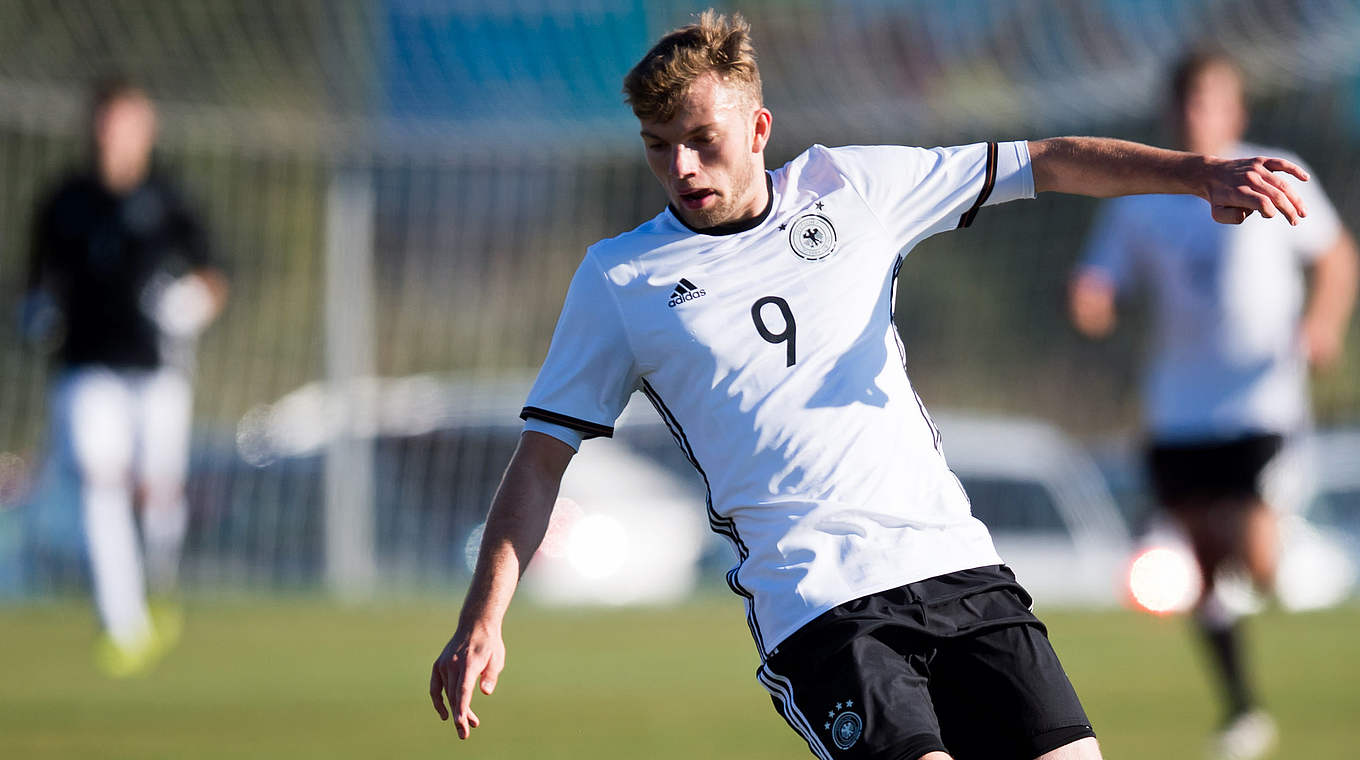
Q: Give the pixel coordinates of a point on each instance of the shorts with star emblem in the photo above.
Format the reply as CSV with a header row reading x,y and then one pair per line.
x,y
957,663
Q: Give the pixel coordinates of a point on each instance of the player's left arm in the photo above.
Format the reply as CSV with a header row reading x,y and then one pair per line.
x,y
1105,167
198,297
1330,301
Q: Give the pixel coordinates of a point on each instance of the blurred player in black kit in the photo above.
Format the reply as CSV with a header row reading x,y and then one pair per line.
x,y
121,283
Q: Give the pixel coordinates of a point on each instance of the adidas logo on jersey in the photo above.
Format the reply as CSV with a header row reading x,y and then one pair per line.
x,y
685,291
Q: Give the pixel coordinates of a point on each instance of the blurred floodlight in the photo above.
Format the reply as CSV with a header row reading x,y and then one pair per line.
x,y
1164,580
625,531
597,546
566,513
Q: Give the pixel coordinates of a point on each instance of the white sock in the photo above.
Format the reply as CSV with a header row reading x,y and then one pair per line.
x,y
115,563
164,523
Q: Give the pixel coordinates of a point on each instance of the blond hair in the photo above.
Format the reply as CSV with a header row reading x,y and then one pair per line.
x,y
717,44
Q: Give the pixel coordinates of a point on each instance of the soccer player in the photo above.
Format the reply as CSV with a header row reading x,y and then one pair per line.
x,y
755,313
1227,382
120,275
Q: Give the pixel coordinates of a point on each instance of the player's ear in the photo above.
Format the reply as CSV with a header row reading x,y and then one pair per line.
x,y
761,135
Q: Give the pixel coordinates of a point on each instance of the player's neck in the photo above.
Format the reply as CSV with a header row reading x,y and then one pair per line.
x,y
754,214
758,205
121,178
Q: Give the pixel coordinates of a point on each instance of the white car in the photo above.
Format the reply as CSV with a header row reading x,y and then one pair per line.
x,y
1049,511
630,528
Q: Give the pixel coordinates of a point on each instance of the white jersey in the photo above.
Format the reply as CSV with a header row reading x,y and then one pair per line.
x,y
770,352
1226,360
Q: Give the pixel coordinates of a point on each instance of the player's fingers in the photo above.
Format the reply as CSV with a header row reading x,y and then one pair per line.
x,y
492,672
1274,188
1255,200
490,675
1230,214
463,686
1289,167
1285,186
437,692
465,722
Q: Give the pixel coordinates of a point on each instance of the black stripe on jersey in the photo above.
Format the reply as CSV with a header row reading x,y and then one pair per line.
x,y
679,291
723,526
987,185
688,284
585,427
902,352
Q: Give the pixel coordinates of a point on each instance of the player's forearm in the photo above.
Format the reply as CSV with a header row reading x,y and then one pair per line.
x,y
1104,168
514,529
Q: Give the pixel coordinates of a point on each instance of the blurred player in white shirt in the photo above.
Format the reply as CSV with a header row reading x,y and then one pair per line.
x,y
755,313
1227,381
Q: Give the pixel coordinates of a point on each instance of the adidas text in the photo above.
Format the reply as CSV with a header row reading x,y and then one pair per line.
x,y
677,299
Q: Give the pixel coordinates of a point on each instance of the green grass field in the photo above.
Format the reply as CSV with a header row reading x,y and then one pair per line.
x,y
305,678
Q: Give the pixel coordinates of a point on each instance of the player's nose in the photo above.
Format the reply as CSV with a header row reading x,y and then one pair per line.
x,y
684,161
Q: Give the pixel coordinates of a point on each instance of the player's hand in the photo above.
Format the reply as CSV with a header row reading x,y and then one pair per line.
x,y
467,658
1322,343
1238,187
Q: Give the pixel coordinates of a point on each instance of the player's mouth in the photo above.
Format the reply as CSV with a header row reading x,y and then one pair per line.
x,y
697,199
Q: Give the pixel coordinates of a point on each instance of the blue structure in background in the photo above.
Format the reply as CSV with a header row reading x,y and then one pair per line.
x,y
472,62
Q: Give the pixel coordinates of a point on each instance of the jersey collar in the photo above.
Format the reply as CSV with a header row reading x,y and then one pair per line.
x,y
732,228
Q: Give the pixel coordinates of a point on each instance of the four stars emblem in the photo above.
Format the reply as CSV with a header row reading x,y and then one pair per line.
x,y
847,704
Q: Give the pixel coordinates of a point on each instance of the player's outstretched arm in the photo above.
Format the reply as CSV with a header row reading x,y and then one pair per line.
x,y
1104,168
514,529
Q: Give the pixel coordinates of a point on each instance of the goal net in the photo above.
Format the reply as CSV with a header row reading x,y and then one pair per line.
x,y
401,191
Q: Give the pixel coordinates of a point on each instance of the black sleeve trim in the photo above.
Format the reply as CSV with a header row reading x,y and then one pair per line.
x,y
987,186
585,427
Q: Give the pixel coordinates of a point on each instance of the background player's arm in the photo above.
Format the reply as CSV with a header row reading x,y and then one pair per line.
x,y
1331,299
1104,168
197,298
514,529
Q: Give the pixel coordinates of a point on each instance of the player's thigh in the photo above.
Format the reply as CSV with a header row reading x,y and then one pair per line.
x,y
1003,695
1081,749
95,422
857,698
164,409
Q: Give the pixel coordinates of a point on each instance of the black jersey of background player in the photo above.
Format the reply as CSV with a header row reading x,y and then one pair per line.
x,y
106,258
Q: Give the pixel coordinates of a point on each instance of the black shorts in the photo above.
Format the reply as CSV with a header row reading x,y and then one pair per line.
x,y
956,663
1189,474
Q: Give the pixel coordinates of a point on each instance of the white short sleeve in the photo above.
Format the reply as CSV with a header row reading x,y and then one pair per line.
x,y
1111,245
590,371
917,192
1318,231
